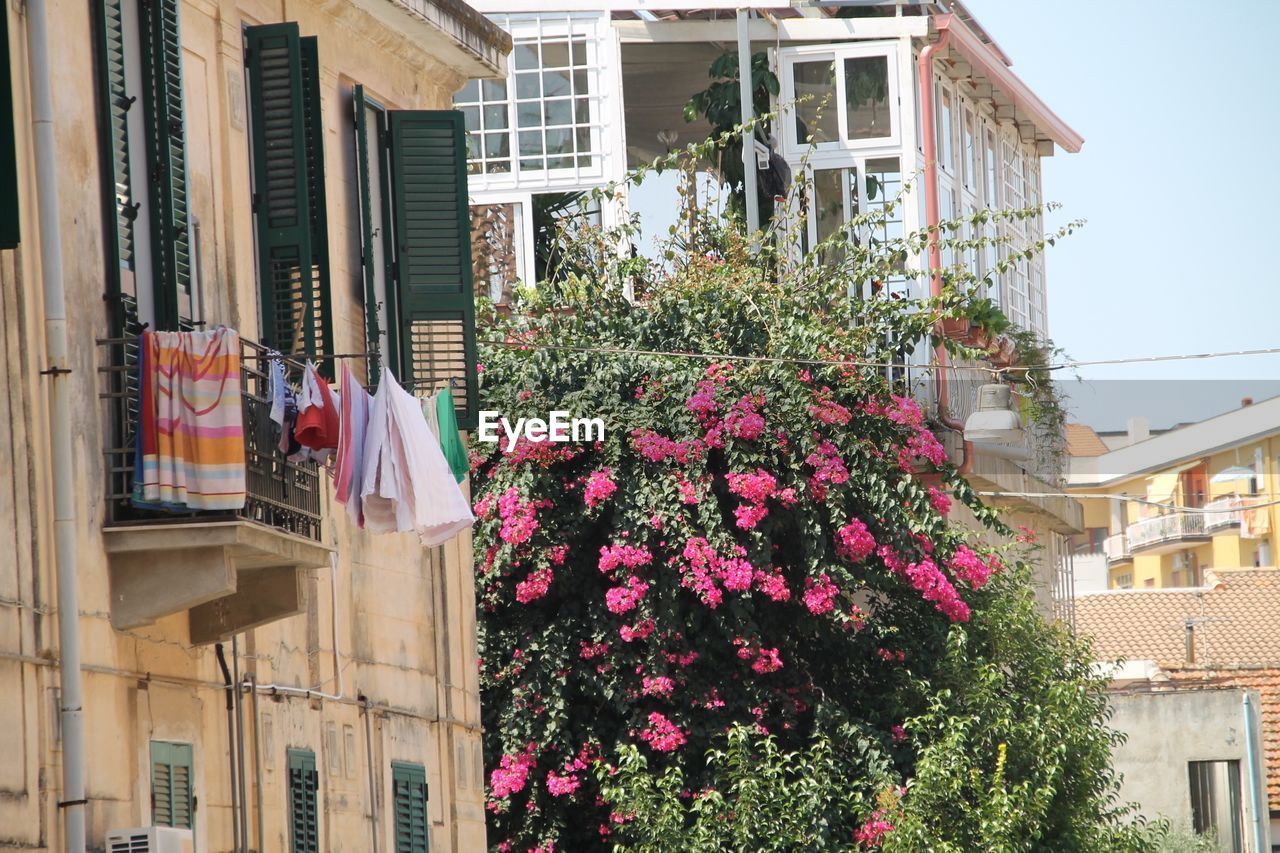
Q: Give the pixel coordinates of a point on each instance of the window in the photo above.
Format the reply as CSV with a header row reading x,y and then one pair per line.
x,y
969,151
416,243
172,802
547,117
946,111
1124,581
409,787
144,155
1215,802
839,96
288,190
304,824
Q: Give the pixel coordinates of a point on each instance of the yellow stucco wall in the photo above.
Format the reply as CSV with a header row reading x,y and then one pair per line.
x,y
404,614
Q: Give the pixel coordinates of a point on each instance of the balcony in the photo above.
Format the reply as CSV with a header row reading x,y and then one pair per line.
x,y
230,571
1224,513
1116,547
1165,533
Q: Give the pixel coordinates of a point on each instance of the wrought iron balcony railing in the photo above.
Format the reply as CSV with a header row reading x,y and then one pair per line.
x,y
279,494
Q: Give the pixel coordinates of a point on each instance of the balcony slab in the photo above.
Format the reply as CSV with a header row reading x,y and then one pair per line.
x,y
231,574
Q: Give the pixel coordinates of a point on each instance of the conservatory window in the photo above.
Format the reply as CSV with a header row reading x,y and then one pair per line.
x,y
485,108
969,151
946,109
839,97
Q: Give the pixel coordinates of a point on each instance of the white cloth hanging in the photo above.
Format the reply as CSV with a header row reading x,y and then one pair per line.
x,y
407,483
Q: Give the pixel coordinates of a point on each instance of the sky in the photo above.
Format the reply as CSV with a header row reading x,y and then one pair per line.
x,y
1179,107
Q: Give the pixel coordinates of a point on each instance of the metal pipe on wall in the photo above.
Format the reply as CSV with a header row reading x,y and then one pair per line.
x,y
257,761
373,787
71,703
242,792
231,741
1256,807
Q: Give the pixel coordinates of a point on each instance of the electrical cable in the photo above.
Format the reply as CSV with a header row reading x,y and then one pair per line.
x,y
1127,498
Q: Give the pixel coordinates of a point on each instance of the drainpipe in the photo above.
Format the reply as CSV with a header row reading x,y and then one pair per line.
x,y
1251,757
231,744
924,68
367,707
60,412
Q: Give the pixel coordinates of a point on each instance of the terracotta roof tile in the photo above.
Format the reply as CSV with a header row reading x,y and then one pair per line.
x,y
1083,441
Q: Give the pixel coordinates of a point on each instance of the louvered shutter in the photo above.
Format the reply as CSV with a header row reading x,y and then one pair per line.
x,y
9,228
166,154
304,824
409,785
116,105
172,801
432,268
288,200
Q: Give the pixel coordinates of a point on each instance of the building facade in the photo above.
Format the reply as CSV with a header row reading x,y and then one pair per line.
x,y
294,172
1163,511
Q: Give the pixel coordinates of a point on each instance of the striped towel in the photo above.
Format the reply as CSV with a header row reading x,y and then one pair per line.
x,y
190,444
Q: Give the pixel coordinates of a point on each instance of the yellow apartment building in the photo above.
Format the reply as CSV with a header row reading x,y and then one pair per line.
x,y
1162,511
271,678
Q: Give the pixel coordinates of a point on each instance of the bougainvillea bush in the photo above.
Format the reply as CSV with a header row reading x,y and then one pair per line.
x,y
760,541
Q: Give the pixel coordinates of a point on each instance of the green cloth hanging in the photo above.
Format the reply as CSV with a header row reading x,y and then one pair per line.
x,y
450,440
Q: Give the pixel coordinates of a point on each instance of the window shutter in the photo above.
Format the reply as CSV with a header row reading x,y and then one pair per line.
x,y
409,784
288,197
116,104
371,161
433,255
172,802
304,825
9,226
166,154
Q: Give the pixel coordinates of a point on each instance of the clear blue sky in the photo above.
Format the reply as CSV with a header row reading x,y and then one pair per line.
x,y
1179,105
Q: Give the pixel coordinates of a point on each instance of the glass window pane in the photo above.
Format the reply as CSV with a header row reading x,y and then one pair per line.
x,y
556,83
495,90
471,118
828,205
495,117
528,114
525,57
579,52
527,85
866,94
497,144
946,109
583,136
582,110
555,55
559,111
817,119
560,141
565,162
469,92
531,142
580,84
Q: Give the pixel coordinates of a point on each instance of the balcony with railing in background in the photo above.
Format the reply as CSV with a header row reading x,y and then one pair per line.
x,y
230,570
1116,547
1169,532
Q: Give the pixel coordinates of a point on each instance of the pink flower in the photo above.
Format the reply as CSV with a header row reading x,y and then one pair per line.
x,y
773,585
703,402
941,502
623,599
658,685
512,772
631,556
662,734
640,631
872,833
735,573
827,465
767,660
755,488
820,597
600,486
519,519
560,786
969,567
688,494
898,734
535,586
854,542
589,651
830,412
749,515
933,586
557,554
744,421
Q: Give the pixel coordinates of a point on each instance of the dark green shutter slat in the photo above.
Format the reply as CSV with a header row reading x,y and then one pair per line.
x,y
372,332
433,255
304,822
173,801
288,170
9,225
166,158
116,107
409,787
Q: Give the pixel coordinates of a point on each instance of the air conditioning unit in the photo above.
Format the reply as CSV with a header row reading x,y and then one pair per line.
x,y
150,839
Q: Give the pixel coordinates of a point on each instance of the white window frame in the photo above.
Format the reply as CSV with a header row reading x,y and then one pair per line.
x,y
794,149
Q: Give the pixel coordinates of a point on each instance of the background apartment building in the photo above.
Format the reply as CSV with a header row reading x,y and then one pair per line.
x,y
1196,498
292,171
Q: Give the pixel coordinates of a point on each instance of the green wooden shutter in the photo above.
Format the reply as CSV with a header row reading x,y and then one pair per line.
x,y
166,154
304,824
9,226
288,199
172,802
433,255
116,103
409,786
